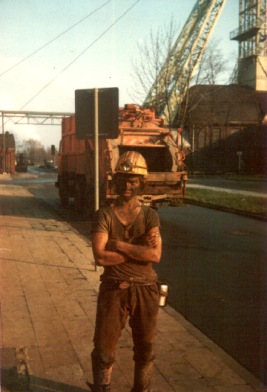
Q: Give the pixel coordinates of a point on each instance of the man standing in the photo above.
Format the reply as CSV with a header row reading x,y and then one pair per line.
x,y
126,241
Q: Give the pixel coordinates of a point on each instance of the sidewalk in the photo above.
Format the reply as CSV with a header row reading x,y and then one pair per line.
x,y
48,287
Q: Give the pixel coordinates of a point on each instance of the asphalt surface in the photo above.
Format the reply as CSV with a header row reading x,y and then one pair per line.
x,y
215,265
49,288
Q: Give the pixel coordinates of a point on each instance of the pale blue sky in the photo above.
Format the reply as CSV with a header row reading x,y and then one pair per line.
x,y
26,25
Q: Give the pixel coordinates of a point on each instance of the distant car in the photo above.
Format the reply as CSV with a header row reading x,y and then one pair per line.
x,y
49,165
21,164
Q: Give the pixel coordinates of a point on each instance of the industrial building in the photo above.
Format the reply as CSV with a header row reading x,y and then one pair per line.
x,y
7,153
227,124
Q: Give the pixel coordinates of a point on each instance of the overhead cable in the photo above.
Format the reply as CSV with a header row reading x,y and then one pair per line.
x,y
77,57
54,39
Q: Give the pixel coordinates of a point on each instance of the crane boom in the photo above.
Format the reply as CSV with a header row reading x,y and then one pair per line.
x,y
173,79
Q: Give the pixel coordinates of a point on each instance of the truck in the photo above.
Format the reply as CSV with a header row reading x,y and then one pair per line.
x,y
139,130
21,163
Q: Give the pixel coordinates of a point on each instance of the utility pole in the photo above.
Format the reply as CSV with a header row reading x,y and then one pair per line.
x,y
4,144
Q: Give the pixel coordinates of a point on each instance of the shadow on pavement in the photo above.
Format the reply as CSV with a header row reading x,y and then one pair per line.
x,y
11,381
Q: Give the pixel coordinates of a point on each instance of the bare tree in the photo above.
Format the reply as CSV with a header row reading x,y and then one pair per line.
x,y
212,66
151,57
153,54
33,150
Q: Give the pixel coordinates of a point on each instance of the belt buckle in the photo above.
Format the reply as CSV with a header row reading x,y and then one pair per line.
x,y
124,285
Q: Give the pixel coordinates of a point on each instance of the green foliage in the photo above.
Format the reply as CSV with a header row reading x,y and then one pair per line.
x,y
232,201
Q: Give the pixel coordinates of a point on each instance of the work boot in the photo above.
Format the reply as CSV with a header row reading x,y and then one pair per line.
x,y
99,388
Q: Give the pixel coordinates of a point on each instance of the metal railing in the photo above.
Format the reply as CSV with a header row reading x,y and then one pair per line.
x,y
254,24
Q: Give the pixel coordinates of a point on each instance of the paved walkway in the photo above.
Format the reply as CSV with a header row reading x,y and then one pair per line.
x,y
48,299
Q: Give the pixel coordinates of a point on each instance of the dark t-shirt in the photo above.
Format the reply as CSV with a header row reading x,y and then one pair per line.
x,y
105,220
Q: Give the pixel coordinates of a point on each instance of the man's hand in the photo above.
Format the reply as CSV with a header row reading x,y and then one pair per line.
x,y
112,245
106,252
147,248
152,240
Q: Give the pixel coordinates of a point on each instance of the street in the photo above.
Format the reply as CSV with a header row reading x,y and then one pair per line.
x,y
215,264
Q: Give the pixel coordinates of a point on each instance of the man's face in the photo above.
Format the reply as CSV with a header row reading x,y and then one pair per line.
x,y
128,186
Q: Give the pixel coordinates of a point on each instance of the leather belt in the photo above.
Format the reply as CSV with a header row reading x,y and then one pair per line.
x,y
124,284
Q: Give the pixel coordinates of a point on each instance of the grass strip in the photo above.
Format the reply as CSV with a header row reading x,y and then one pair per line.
x,y
237,202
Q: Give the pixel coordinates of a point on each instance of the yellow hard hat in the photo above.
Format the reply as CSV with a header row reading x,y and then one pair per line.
x,y
131,162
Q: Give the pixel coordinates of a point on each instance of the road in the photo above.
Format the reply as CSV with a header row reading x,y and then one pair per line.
x,y
214,263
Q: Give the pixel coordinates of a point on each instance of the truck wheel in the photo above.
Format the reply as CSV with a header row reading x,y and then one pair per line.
x,y
64,197
78,198
89,202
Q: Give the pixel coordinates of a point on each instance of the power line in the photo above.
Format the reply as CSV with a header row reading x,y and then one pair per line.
x,y
77,57
54,39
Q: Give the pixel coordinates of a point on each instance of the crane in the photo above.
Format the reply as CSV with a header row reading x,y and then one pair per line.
x,y
170,86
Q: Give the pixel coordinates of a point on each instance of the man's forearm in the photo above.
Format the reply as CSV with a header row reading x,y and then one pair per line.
x,y
108,258
139,252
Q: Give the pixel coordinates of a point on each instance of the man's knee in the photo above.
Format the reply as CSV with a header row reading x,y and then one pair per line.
x,y
144,353
102,358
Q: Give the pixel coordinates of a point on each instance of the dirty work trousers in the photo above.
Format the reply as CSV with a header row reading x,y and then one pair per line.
x,y
115,305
